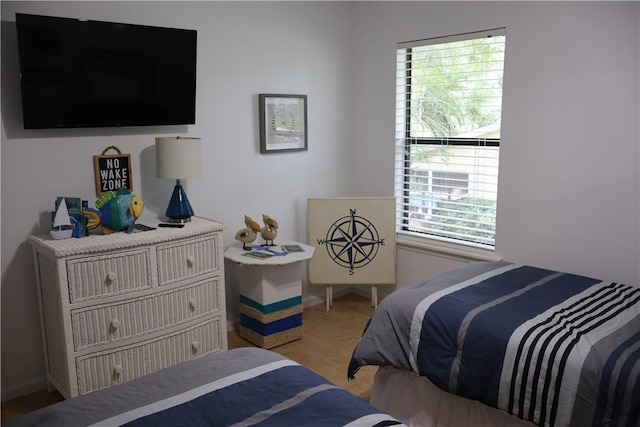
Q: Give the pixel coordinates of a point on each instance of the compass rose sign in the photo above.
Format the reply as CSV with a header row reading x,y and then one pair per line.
x,y
354,240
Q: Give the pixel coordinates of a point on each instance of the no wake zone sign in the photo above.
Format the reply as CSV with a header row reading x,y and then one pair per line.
x,y
112,171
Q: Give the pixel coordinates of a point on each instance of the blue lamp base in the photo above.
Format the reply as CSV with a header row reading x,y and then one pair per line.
x,y
179,209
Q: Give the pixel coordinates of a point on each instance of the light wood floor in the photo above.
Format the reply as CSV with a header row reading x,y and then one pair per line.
x,y
326,346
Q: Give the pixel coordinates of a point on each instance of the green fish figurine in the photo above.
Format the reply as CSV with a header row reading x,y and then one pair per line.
x,y
116,211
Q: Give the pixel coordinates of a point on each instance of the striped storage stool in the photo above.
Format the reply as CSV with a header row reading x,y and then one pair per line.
x,y
270,296
273,324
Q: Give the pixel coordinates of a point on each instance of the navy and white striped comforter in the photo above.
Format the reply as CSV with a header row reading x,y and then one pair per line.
x,y
553,348
242,387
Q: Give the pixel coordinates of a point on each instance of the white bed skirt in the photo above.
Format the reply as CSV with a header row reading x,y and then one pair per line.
x,y
417,402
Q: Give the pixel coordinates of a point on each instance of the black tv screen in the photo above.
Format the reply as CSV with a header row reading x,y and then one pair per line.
x,y
81,73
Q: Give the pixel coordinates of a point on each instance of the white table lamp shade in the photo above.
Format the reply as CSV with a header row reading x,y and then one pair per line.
x,y
178,157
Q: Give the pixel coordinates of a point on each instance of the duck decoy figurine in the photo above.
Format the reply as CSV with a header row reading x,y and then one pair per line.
x,y
246,235
251,224
270,230
249,234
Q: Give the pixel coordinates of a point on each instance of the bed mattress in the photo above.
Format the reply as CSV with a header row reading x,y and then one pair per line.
x,y
417,402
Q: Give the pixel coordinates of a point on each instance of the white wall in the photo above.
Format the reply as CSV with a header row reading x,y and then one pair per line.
x,y
569,186
243,49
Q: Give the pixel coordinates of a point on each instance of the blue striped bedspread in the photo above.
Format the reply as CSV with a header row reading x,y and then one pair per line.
x,y
240,388
280,393
553,348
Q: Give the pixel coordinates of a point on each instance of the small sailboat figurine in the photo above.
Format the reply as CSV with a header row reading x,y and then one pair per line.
x,y
62,227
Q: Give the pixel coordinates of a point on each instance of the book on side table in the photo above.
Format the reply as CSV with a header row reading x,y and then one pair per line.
x,y
292,248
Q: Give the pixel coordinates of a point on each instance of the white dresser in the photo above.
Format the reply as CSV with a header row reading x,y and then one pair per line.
x,y
119,306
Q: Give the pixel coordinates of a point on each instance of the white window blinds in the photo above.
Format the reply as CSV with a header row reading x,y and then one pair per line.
x,y
448,115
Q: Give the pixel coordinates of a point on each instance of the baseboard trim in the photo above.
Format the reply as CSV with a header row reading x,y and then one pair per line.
x,y
23,389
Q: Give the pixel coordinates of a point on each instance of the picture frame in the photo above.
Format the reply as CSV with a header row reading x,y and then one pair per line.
x,y
112,171
283,123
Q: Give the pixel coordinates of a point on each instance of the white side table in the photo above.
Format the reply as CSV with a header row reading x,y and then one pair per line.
x,y
270,294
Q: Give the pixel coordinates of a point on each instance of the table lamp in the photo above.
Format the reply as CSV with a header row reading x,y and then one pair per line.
x,y
178,158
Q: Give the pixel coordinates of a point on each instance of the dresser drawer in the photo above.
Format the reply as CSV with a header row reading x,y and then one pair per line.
x,y
109,274
187,259
114,322
100,370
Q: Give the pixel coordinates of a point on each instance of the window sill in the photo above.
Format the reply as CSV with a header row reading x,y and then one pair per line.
x,y
445,249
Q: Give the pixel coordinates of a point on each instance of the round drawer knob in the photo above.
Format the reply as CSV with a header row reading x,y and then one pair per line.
x,y
112,277
115,324
193,303
117,370
190,260
195,345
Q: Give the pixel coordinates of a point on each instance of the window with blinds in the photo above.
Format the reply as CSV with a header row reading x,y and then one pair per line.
x,y
448,110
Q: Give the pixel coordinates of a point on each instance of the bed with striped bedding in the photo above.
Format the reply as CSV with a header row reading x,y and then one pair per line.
x,y
240,387
552,348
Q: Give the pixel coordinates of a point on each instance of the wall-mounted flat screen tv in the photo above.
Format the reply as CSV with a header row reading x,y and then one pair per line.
x,y
80,73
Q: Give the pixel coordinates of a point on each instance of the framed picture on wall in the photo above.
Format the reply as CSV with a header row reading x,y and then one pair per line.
x,y
283,123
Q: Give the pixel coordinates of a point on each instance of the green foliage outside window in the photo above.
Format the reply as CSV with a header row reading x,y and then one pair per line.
x,y
455,88
476,216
